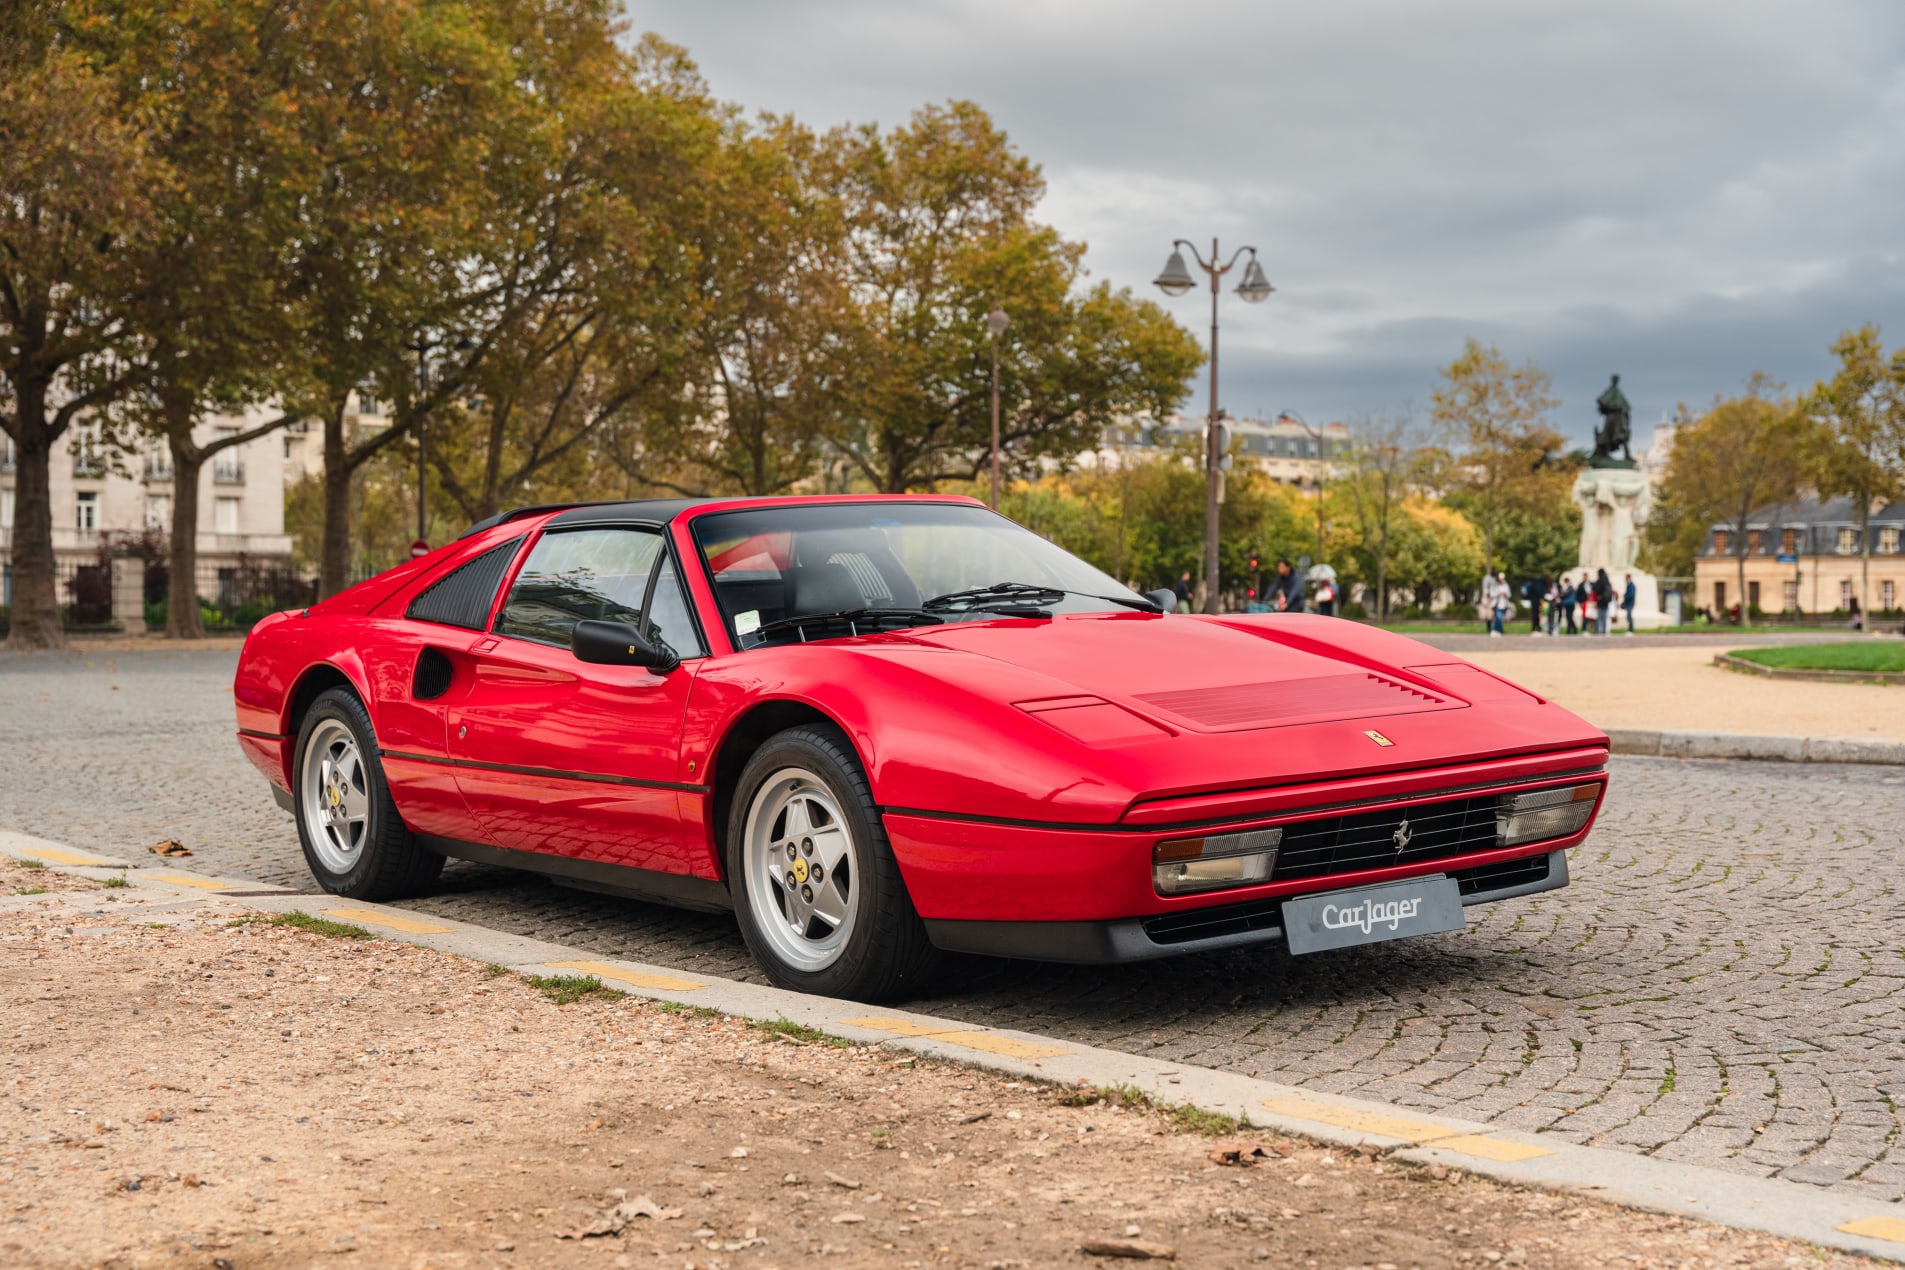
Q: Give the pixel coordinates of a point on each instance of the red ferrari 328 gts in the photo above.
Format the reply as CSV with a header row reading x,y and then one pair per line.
x,y
880,727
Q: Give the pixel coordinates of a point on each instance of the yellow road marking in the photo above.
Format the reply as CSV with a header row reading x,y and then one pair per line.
x,y
1500,1150
371,917
57,856
1890,1229
635,978
1361,1121
989,1042
186,879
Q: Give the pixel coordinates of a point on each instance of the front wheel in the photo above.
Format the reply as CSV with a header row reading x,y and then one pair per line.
x,y
354,840
816,888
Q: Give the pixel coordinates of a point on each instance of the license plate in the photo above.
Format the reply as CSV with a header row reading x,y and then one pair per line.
x,y
1371,914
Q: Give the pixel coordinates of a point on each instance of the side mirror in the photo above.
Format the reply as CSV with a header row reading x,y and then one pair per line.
x,y
1164,597
620,644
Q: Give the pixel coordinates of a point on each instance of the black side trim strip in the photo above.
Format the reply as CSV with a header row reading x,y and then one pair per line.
x,y
1294,813
264,736
554,773
680,889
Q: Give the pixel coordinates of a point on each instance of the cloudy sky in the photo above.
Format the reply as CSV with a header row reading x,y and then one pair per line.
x,y
1683,191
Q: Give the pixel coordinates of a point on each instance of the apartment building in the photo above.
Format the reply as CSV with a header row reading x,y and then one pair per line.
x,y
1804,557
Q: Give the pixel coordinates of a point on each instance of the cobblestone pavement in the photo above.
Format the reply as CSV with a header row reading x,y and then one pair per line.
x,y
1723,984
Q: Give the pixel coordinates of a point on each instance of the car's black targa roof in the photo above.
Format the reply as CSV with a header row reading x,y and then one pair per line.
x,y
648,511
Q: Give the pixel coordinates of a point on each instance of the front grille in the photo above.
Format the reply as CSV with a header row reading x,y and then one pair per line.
x,y
1367,840
1208,923
1499,877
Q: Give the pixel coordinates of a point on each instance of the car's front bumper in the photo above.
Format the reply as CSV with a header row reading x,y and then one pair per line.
x,y
1203,929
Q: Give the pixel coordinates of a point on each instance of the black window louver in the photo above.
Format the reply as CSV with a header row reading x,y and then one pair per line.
x,y
462,597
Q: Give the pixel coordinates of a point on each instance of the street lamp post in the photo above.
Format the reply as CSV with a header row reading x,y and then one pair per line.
x,y
1254,288
1316,436
996,322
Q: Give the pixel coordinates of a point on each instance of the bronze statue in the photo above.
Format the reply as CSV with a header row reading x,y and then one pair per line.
x,y
1616,430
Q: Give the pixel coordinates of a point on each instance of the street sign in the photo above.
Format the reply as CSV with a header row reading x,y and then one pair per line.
x,y
1785,558
419,548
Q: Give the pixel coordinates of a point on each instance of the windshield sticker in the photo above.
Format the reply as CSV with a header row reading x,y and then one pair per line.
x,y
747,623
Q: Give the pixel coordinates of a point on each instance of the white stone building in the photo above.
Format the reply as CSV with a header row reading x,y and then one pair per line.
x,y
96,492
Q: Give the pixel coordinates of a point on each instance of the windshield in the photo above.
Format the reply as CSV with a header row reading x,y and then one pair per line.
x,y
888,563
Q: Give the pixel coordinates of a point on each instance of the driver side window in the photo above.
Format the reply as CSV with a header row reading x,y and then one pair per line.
x,y
598,575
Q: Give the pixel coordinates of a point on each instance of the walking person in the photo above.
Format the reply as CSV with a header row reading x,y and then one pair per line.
x,y
1183,589
1603,600
1567,598
1628,595
1858,616
1497,599
1532,590
1326,597
1286,593
1584,597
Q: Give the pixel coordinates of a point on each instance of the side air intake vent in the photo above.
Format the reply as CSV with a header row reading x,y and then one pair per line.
x,y
433,676
462,597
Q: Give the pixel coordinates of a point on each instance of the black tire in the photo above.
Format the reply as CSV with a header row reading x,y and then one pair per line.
x,y
886,952
385,862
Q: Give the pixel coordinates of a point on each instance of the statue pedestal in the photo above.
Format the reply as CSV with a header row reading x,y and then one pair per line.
x,y
1614,503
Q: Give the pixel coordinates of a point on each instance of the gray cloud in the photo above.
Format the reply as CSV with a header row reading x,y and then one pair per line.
x,y
1683,192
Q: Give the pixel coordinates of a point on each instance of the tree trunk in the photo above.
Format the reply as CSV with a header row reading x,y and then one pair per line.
x,y
36,610
1865,554
1739,558
334,553
181,594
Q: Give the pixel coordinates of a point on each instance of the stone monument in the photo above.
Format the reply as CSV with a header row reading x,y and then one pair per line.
x,y
1614,499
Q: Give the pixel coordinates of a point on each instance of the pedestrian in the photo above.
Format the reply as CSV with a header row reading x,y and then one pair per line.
x,y
1603,600
1497,600
1628,595
1532,590
1584,597
1183,590
1326,597
1858,615
1286,592
1568,598
1553,600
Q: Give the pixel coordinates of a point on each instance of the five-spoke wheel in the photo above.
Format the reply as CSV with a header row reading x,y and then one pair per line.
x,y
353,837
815,885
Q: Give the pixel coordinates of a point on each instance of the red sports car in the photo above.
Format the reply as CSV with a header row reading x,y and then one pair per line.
x,y
880,727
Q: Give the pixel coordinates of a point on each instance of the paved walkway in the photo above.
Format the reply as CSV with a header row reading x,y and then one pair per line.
x,y
1722,985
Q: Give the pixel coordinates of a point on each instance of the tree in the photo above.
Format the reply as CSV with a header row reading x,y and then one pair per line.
x,y
210,77
1384,463
1857,446
1509,458
939,228
75,190
1743,455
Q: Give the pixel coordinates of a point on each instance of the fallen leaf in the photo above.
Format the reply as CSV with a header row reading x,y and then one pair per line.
x,y
169,847
1240,1154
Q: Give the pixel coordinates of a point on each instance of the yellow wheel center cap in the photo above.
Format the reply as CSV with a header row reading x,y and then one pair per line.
x,y
800,870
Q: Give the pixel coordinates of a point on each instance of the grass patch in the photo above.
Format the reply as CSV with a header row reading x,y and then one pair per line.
x,y
30,864
31,890
1183,1118
494,971
799,1033
318,926
568,989
115,881
1868,656
682,1007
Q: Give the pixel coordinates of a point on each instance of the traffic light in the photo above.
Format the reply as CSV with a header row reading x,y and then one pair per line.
x,y
1254,566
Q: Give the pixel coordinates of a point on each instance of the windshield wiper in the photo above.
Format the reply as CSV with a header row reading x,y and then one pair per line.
x,y
853,618
1024,592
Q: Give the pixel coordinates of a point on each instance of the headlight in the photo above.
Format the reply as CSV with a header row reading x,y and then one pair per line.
x,y
1184,866
1546,813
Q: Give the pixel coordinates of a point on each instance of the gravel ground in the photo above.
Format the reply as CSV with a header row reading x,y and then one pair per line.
x,y
1680,687
240,1093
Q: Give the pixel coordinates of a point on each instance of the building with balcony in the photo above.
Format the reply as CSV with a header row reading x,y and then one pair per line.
x,y
100,495
1804,557
1283,448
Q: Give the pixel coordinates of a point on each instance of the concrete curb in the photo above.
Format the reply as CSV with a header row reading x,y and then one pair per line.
x,y
1746,745
1790,1210
1727,661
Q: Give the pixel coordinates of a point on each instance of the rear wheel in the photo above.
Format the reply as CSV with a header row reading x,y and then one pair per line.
x,y
354,840
819,895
